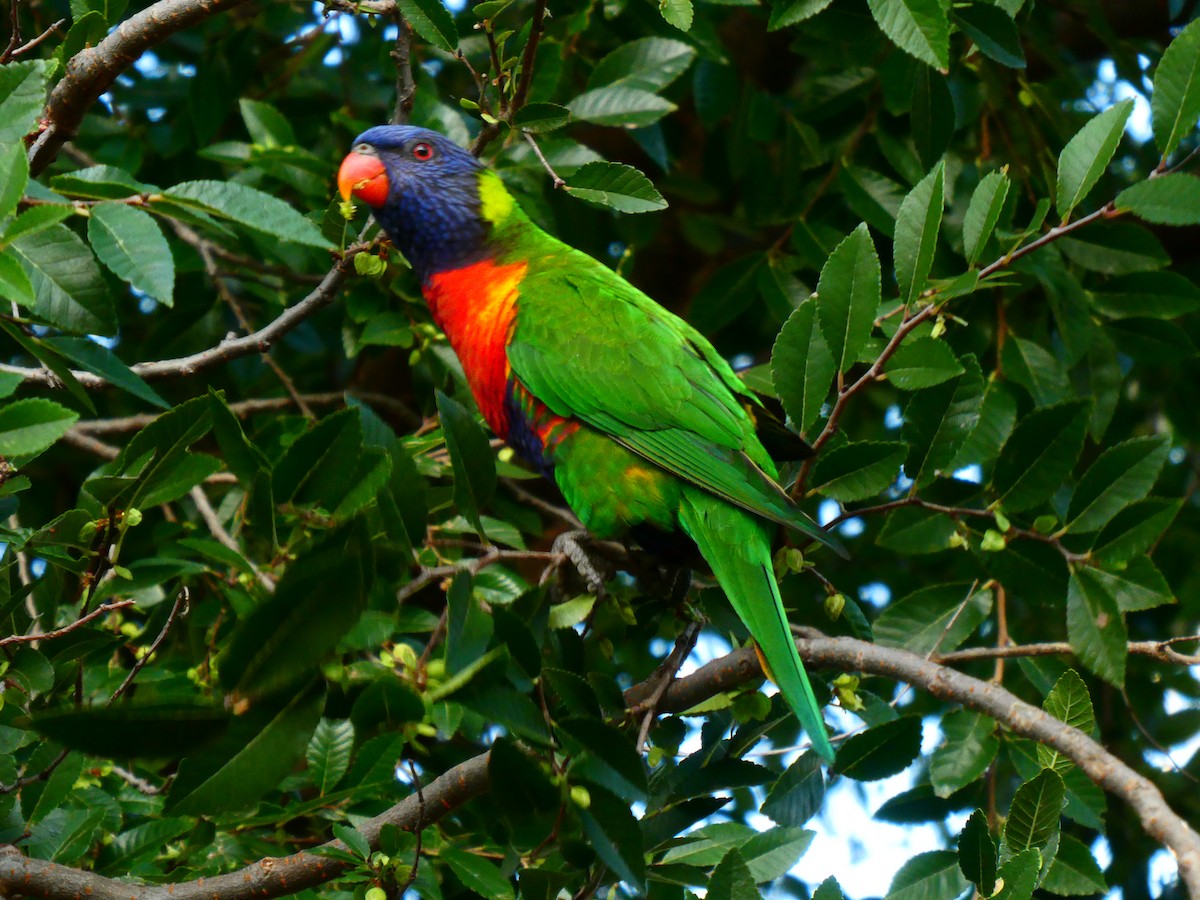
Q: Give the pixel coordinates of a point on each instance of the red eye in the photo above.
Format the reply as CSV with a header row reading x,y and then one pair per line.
x,y
422,152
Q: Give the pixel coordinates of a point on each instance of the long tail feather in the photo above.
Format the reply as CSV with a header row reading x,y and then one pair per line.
x,y
736,545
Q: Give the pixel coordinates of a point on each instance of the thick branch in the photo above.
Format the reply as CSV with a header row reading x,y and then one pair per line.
x,y
258,342
91,72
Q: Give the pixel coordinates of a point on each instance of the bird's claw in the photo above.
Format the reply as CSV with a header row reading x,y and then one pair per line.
x,y
569,545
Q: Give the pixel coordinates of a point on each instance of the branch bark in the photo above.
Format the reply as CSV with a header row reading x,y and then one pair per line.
x,y
91,71
276,877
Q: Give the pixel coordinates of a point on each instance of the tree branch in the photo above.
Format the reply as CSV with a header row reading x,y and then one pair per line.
x,y
90,72
102,610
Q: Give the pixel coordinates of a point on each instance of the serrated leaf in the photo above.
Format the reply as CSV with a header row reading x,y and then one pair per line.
x,y
14,176
977,854
772,853
318,467
538,118
1086,156
678,13
707,846
789,12
1096,627
922,362
994,32
1074,871
146,839
1123,474
15,285
1069,702
1134,530
1036,369
881,751
1137,586
129,242
917,226
934,619
621,187
69,291
912,530
432,21
1033,817
620,105
1020,876
353,839
1171,199
131,731
858,470
918,27
848,295
94,357
478,874
1175,103
1159,295
468,627
829,889
802,367
31,425
928,876
613,833
1115,248
731,879
572,612
938,421
649,64
796,796
983,212
1040,454
22,94
251,208
98,183
328,753
471,458
969,744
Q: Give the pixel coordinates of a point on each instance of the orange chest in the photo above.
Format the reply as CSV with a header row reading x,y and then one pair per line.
x,y
475,306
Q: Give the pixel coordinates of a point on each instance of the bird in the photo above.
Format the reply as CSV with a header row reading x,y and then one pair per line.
x,y
643,426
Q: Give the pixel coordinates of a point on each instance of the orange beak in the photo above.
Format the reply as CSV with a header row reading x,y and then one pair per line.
x,y
363,177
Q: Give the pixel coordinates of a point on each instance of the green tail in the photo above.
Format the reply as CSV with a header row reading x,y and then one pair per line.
x,y
736,545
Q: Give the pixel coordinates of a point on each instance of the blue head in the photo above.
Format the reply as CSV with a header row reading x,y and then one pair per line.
x,y
423,189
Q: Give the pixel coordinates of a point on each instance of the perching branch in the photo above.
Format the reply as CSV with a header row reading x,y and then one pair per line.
x,y
90,72
401,54
280,876
102,610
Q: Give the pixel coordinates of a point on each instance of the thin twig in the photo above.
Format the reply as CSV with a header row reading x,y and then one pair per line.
x,y
101,610
416,829
401,55
26,47
537,151
213,522
666,676
529,57
178,608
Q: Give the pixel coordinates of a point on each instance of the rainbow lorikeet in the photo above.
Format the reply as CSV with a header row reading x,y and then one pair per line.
x,y
625,406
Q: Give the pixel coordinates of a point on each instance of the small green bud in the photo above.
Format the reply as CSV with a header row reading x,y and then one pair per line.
x,y
133,517
654,756
957,540
993,541
346,208
834,604
1045,524
466,103
580,796
1002,522
376,893
122,572
88,531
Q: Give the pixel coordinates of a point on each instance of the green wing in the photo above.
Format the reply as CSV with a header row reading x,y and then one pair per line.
x,y
590,346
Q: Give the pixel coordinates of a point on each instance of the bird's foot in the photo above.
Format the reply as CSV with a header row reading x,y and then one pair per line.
x,y
570,545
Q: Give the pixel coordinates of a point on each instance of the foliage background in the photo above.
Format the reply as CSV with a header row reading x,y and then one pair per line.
x,y
998,394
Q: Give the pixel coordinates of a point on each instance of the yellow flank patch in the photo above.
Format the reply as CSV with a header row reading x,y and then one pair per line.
x,y
495,202
643,479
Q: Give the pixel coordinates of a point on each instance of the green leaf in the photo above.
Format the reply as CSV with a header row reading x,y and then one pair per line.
x,y
251,208
1171,199
1137,586
928,876
130,244
802,367
934,619
1020,876
65,834
731,879
1175,103
912,530
613,833
353,839
1123,474
621,187
98,183
1069,702
30,426
848,295
1159,295
796,796
281,640
69,291
858,470
918,27
649,64
977,854
1040,454
983,212
994,33
678,13
789,12
969,745
537,118
249,761
328,753
572,612
478,874
319,466
1134,530
518,783
1035,368
931,117
87,354
938,421
1033,817
1152,341
266,124
14,176
22,94
468,627
917,226
35,220
131,731
471,457
1115,248
707,846
922,362
829,889
1086,156
610,760
881,751
14,283
620,105
1096,627
432,21
1074,872
144,840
